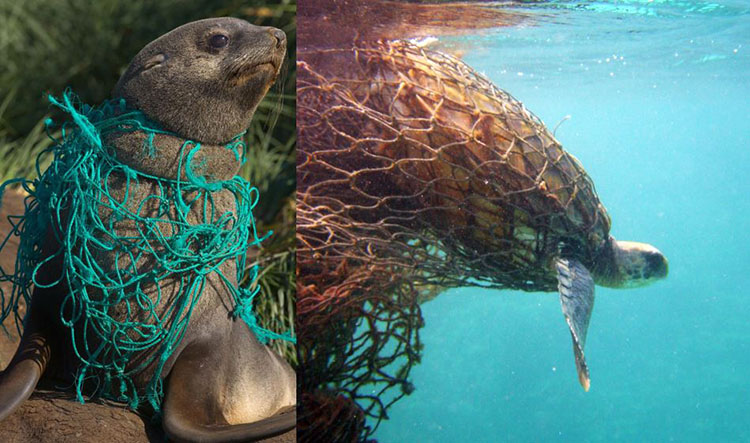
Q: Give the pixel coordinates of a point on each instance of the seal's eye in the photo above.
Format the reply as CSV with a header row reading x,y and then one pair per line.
x,y
218,41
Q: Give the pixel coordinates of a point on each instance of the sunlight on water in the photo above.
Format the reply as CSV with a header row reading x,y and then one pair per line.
x,y
657,94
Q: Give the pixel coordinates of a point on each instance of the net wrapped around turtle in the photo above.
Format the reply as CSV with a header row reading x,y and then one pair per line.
x,y
416,174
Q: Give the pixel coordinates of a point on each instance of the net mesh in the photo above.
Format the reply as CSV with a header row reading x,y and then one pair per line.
x,y
416,174
127,255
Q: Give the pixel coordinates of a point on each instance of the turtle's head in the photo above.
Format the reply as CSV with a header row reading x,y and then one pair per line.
x,y
630,265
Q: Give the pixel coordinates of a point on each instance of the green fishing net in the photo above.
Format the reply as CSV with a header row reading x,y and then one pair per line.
x,y
133,264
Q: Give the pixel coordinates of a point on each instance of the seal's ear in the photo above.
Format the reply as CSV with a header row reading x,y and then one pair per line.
x,y
153,62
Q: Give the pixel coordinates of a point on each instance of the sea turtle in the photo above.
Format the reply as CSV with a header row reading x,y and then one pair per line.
x,y
410,160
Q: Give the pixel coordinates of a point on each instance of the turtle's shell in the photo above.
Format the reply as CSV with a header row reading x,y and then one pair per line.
x,y
402,148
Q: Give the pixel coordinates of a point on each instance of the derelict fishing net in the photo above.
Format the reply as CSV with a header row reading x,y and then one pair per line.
x,y
127,255
415,174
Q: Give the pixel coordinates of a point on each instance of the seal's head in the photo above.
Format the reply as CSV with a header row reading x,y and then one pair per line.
x,y
627,264
204,79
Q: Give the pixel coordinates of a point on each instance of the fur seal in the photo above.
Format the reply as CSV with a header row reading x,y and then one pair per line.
x,y
202,81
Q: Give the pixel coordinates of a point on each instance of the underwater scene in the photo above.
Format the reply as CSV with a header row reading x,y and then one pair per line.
x,y
653,98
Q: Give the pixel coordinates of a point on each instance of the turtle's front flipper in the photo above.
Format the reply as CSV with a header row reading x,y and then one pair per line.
x,y
577,298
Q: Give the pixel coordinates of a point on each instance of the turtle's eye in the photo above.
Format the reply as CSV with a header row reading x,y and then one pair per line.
x,y
218,41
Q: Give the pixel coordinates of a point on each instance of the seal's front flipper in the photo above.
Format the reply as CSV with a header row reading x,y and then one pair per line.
x,y
577,298
21,376
192,409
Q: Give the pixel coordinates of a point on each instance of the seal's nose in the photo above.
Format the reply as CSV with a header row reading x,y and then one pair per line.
x,y
279,35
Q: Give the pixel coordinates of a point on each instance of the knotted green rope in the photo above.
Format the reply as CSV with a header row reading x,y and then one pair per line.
x,y
69,198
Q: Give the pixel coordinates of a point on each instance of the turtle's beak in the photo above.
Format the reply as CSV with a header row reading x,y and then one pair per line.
x,y
657,265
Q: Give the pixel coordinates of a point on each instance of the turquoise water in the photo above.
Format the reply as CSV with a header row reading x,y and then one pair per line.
x,y
658,95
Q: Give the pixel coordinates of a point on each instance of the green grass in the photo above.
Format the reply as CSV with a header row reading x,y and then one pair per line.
x,y
47,46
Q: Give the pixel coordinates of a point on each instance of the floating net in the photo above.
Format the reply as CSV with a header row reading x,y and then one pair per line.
x,y
127,255
415,174
335,417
